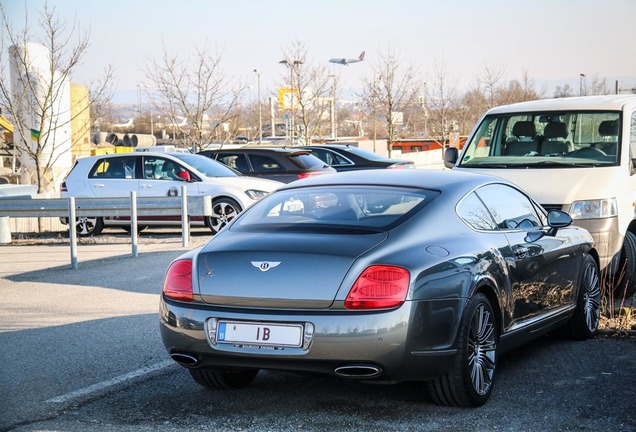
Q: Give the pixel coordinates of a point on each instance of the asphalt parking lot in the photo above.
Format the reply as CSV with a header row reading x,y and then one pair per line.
x,y
80,350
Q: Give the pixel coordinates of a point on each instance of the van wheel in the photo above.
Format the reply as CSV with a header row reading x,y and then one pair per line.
x,y
626,270
223,211
87,226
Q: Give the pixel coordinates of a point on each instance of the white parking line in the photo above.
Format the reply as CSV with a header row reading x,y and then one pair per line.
x,y
99,387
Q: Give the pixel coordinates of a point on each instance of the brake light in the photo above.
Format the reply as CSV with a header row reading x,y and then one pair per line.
x,y
178,282
379,287
309,174
63,187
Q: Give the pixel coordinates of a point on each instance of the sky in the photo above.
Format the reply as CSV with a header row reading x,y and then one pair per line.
x,y
554,41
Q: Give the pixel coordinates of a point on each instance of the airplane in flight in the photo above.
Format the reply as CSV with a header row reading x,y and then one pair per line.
x,y
346,61
128,124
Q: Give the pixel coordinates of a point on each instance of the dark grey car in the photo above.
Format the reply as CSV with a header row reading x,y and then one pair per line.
x,y
348,157
275,163
390,275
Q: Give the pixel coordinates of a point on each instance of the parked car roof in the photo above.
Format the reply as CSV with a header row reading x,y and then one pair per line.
x,y
277,163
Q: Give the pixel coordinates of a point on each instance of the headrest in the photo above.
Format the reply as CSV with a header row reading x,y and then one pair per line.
x,y
608,128
555,130
524,128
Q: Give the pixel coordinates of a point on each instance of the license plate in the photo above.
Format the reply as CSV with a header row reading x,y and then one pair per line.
x,y
284,335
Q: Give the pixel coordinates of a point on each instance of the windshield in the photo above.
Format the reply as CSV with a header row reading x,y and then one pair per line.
x,y
545,139
205,165
350,208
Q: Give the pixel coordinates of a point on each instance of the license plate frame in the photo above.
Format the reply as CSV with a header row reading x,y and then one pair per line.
x,y
283,335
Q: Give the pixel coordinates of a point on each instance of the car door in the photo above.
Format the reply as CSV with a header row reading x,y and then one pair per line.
x,y
160,179
542,267
114,176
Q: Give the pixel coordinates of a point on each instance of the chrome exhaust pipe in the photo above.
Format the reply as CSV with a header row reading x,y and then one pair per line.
x,y
358,371
184,359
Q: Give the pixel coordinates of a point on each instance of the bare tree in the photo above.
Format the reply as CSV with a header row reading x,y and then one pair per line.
x,y
441,101
392,88
565,91
310,87
194,94
37,97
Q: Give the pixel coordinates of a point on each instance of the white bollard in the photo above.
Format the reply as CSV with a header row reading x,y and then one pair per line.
x,y
5,230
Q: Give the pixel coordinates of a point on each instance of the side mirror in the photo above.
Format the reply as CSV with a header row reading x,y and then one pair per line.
x,y
451,155
558,219
184,175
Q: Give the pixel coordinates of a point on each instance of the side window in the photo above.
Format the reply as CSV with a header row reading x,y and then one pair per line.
x,y
510,208
264,163
236,161
161,169
114,168
475,214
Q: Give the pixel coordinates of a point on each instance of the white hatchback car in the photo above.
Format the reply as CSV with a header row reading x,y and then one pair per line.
x,y
162,174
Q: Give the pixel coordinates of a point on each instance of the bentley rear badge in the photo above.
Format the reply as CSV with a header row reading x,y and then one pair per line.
x,y
265,265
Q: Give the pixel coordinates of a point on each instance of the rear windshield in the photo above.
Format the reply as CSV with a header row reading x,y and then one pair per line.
x,y
349,208
305,160
568,139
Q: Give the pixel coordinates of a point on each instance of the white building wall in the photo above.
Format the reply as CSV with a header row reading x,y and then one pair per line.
x,y
33,61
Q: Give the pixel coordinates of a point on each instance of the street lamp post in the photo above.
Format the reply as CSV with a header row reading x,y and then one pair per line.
x,y
139,101
260,112
291,65
581,78
334,128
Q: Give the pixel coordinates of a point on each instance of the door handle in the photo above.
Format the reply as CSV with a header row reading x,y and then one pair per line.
x,y
98,185
145,186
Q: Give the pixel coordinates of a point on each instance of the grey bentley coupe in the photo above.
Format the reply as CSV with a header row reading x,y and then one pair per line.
x,y
385,276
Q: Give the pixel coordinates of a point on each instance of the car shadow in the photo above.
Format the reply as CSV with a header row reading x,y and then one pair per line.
x,y
141,274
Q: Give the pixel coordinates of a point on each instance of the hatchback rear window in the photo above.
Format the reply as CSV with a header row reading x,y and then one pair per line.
x,y
305,160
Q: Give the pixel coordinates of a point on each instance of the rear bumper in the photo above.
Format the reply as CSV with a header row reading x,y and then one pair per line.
x,y
414,342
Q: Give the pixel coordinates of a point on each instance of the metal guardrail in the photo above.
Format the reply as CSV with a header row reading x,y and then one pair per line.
x,y
134,206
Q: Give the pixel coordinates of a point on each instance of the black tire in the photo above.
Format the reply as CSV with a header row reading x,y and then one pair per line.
x,y
87,226
469,381
223,211
584,323
223,380
140,228
625,279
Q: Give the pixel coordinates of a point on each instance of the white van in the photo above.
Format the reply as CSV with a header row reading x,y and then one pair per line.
x,y
572,154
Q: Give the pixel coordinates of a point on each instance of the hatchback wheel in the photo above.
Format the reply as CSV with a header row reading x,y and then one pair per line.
x,y
89,226
223,211
470,378
223,380
584,322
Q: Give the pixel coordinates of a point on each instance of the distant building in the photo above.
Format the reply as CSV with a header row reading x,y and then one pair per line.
x,y
31,75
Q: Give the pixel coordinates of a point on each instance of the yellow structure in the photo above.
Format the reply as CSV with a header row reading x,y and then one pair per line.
x,y
6,124
80,122
110,150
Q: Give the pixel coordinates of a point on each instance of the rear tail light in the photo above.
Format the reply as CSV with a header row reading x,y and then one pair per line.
x,y
63,187
379,287
178,282
309,174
